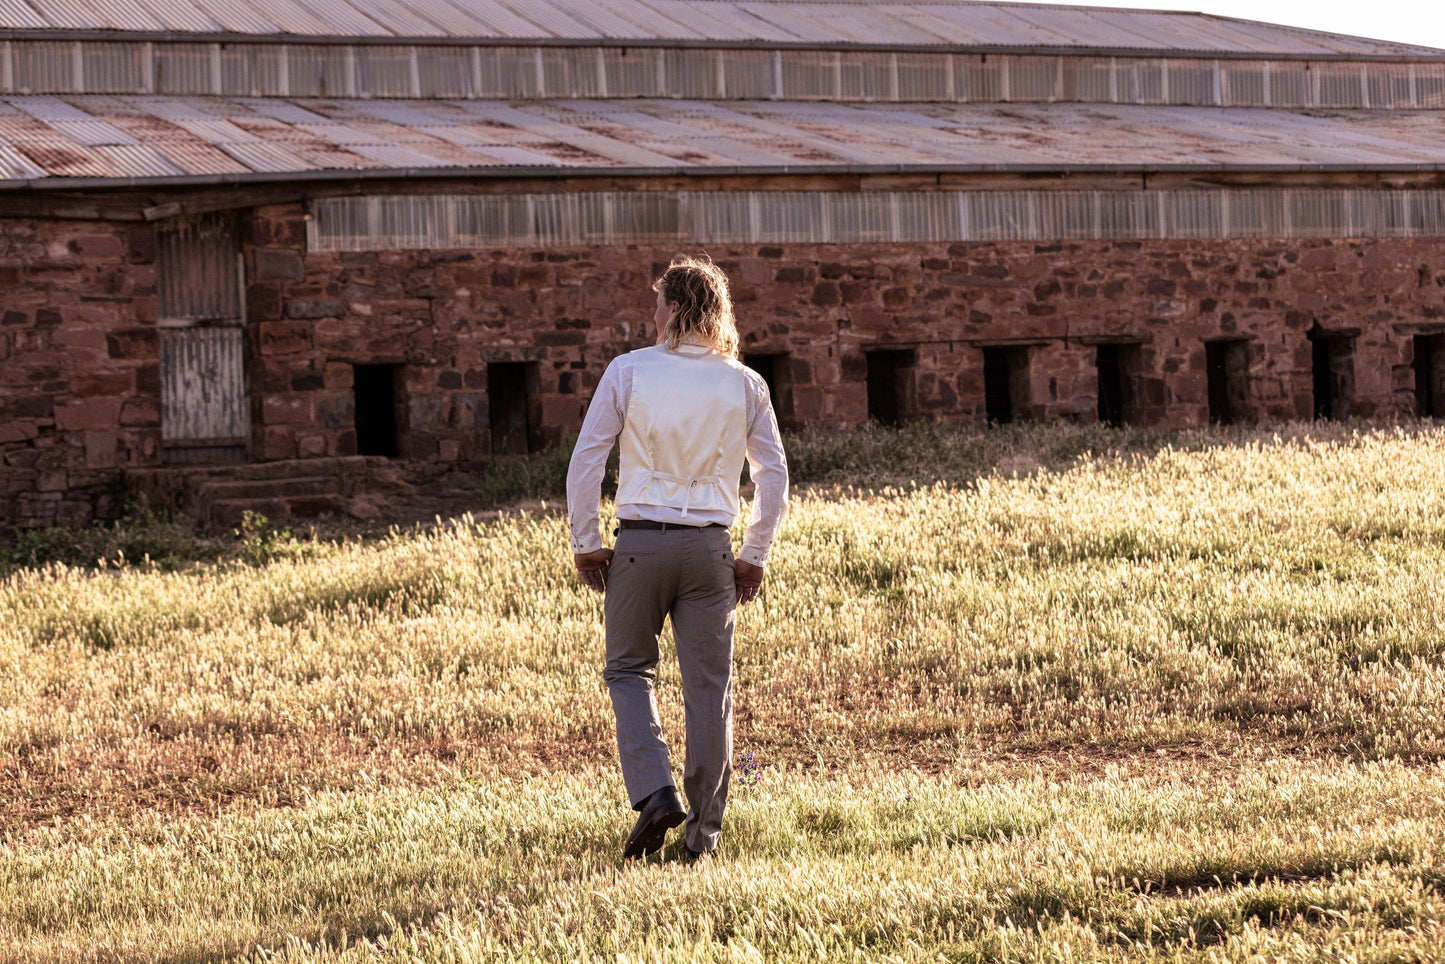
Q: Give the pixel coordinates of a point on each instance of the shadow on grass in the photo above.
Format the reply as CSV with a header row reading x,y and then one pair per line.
x,y
873,457
864,459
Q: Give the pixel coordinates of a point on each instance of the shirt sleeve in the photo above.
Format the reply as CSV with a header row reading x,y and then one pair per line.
x,y
589,459
769,469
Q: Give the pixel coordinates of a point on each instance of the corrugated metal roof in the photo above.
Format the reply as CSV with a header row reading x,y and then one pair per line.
x,y
200,159
722,20
235,17
124,137
492,20
69,16
15,165
605,22
183,12
957,24
138,160
646,17
19,14
264,158
93,133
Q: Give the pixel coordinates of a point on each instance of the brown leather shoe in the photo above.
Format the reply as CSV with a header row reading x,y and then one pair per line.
x,y
658,814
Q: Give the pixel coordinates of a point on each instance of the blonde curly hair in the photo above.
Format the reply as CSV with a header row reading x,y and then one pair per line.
x,y
704,308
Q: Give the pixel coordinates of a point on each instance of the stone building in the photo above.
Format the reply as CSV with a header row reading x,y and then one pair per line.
x,y
417,230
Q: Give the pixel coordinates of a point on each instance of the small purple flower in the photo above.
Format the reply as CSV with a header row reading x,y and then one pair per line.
x,y
750,771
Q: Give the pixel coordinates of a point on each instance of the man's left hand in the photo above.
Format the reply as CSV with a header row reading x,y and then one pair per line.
x,y
592,567
749,580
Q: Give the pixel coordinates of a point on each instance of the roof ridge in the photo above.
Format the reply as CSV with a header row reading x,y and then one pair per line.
x,y
960,25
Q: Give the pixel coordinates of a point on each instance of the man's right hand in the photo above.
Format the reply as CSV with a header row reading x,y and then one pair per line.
x,y
592,567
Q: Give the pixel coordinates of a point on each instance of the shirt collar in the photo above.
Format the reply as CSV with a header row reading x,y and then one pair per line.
x,y
692,345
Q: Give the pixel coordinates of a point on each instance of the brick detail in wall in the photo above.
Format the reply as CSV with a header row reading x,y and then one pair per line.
x,y
79,368
79,379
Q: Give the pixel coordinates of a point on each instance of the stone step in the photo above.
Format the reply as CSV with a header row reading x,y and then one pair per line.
x,y
226,514
300,486
216,497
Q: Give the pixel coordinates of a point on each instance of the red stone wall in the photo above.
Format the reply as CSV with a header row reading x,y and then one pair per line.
x,y
446,315
79,375
80,385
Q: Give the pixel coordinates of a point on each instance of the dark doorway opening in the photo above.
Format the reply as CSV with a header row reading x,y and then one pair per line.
x,y
1429,376
1333,370
890,389
1118,367
511,387
1227,365
374,388
777,371
1006,394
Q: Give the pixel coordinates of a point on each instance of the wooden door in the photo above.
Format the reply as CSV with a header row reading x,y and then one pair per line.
x,y
205,406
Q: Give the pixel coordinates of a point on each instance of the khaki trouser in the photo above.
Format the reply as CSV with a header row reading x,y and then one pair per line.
x,y
687,574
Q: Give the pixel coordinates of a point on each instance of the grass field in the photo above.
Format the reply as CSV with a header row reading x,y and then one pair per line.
x,y
1035,694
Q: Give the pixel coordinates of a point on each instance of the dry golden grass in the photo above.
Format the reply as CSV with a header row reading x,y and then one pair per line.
x,y
1178,698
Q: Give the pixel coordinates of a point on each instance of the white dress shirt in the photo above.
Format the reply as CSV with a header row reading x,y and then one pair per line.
x,y
605,417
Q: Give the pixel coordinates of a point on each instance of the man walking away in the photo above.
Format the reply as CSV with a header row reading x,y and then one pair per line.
x,y
687,414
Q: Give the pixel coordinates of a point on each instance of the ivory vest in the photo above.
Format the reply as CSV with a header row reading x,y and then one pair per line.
x,y
684,437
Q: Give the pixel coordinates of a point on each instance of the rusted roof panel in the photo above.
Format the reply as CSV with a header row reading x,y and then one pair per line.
x,y
264,158
122,137
341,134
14,165
138,160
959,24
14,130
69,160
218,132
199,158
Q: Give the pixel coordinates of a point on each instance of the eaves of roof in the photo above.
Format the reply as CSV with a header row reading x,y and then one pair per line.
x,y
492,173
